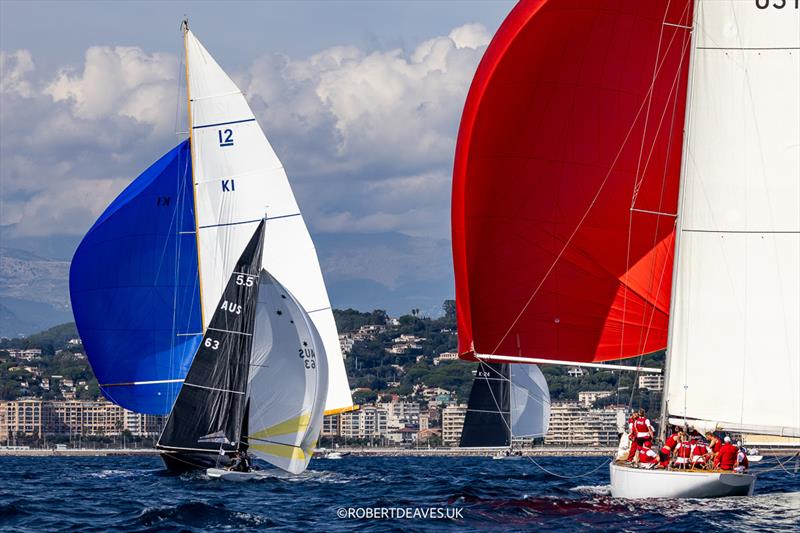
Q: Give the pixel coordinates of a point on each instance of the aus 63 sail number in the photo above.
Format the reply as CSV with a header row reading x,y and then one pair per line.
x,y
309,358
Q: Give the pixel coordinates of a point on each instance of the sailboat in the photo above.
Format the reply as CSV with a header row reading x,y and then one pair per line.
x,y
198,293
507,402
624,185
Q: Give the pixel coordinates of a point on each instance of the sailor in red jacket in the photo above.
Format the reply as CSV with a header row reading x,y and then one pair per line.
x,y
683,454
714,444
726,458
742,463
699,453
648,458
669,447
641,430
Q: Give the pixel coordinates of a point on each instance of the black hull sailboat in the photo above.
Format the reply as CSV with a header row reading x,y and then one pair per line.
x,y
209,417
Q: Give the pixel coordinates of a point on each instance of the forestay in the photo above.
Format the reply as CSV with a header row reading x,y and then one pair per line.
x,y
238,181
288,380
735,332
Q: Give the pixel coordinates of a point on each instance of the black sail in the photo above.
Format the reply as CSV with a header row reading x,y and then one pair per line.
x,y
209,411
488,419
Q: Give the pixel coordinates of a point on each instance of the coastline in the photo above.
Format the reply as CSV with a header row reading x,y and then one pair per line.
x,y
362,452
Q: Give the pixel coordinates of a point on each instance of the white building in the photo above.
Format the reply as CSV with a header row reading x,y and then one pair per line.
x,y
587,398
453,423
572,424
400,414
445,356
346,343
367,422
653,382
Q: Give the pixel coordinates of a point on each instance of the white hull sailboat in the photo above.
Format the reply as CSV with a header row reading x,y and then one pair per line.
x,y
636,192
630,482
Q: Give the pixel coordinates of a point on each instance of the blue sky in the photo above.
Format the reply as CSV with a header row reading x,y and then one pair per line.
x,y
361,101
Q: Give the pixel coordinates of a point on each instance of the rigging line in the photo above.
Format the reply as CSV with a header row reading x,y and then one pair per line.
x,y
511,442
640,172
580,221
590,472
508,379
643,343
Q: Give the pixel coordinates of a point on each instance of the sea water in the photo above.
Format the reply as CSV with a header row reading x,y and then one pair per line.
x,y
550,494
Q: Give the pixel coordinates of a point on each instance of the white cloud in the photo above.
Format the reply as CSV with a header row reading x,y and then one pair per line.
x,y
367,138
122,81
15,67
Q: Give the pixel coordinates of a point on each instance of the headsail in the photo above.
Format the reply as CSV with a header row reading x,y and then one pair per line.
x,y
134,288
565,180
506,402
209,412
734,356
288,380
240,180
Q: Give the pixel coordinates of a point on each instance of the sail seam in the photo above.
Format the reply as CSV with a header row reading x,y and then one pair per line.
x,y
224,123
130,383
212,388
231,93
249,221
229,331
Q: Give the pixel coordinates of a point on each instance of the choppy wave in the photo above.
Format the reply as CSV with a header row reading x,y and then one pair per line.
x,y
135,494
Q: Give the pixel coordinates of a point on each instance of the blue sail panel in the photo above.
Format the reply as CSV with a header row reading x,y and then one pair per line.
x,y
134,287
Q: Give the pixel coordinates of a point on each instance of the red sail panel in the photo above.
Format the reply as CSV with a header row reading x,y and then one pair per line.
x,y
575,115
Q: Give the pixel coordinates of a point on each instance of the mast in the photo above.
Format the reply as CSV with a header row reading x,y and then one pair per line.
x,y
662,425
185,29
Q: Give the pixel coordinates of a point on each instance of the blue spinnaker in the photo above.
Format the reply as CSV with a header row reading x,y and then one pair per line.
x,y
134,288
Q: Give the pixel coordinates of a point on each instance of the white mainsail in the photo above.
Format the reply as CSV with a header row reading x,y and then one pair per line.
x,y
288,380
238,181
734,355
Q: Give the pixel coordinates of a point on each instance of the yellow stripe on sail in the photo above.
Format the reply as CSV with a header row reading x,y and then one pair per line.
x,y
341,410
293,425
280,450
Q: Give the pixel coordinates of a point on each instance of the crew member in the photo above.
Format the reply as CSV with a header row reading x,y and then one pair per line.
x,y
699,453
667,450
641,430
714,444
726,458
648,458
742,463
683,454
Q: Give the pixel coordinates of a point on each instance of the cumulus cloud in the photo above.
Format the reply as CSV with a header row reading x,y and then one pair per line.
x,y
14,70
367,136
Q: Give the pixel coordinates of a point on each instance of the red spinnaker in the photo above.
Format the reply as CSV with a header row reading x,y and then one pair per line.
x,y
574,116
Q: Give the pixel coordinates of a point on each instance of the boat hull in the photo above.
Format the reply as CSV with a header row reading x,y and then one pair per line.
x,y
180,462
631,482
229,475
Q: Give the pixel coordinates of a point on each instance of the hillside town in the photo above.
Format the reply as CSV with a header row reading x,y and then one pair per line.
x,y
408,384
